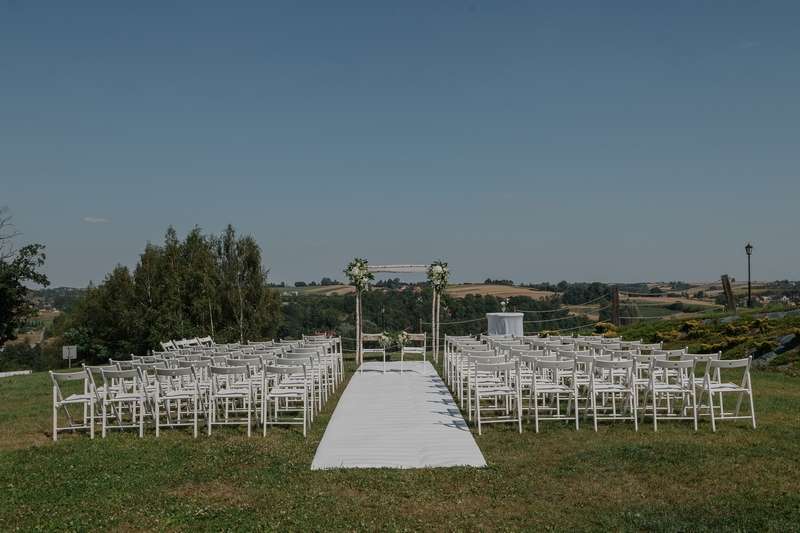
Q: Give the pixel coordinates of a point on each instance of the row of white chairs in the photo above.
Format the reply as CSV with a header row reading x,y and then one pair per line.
x,y
173,345
271,383
500,379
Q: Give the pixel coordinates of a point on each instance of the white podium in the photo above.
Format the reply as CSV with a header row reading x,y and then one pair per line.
x,y
505,323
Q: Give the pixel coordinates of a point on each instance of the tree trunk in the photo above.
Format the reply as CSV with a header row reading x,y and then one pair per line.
x,y
241,311
211,318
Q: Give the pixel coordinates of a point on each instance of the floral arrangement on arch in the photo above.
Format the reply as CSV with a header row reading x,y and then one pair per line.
x,y
358,273
438,275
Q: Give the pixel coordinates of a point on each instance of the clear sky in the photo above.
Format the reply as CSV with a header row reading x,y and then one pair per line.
x,y
537,141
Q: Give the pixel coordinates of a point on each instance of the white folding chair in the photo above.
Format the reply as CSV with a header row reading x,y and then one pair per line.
x,y
232,393
712,386
178,393
613,379
557,381
674,381
124,393
420,349
84,399
287,396
498,400
372,339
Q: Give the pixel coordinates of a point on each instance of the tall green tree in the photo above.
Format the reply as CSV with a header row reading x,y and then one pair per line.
x,y
18,269
203,285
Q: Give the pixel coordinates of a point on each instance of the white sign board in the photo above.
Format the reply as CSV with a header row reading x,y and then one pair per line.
x,y
69,352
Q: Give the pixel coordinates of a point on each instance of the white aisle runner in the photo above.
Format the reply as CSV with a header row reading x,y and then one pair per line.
x,y
396,420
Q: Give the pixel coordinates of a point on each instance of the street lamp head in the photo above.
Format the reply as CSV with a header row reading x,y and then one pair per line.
x,y
748,248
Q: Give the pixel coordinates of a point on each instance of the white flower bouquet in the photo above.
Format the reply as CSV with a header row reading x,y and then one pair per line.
x,y
438,275
358,273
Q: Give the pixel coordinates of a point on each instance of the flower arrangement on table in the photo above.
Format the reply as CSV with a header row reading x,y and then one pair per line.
x,y
358,273
402,338
438,275
386,340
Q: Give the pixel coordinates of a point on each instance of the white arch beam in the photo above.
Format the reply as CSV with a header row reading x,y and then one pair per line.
x,y
399,269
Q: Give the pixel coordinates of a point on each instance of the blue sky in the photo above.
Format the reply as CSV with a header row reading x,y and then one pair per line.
x,y
610,141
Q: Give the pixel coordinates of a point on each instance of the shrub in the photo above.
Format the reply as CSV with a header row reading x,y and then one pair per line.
x,y
667,336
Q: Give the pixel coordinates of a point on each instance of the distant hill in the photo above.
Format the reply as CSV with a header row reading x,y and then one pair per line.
x,y
60,298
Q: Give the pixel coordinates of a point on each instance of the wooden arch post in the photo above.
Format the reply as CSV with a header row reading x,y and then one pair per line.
x,y
359,355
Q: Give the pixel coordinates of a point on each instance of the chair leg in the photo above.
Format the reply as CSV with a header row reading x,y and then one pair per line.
x,y
157,416
194,426
711,410
265,411
211,410
55,423
477,412
91,421
105,420
141,419
655,410
575,412
249,416
752,408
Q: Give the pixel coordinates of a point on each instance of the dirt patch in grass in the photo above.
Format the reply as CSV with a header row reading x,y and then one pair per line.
x,y
216,492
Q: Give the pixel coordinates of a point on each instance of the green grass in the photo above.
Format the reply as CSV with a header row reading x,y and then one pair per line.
x,y
674,480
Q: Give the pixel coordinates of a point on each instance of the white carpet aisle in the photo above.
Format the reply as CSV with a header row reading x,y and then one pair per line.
x,y
396,420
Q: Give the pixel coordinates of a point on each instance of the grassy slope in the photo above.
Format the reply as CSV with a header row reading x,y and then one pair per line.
x,y
675,480
747,335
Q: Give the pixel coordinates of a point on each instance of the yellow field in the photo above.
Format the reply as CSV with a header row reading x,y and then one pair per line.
x,y
500,291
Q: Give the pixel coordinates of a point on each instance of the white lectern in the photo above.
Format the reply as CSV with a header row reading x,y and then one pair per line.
x,y
505,324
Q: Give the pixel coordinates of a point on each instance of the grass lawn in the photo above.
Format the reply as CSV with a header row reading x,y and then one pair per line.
x,y
675,480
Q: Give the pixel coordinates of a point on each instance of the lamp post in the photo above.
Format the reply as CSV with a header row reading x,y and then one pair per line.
x,y
748,249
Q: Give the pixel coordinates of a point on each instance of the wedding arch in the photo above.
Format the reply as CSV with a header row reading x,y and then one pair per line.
x,y
361,273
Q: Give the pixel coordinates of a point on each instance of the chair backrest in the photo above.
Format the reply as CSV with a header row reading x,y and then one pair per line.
x,y
371,337
613,364
227,370
667,364
554,368
308,349
117,381
730,363
519,351
480,353
476,360
499,368
60,377
529,360
280,371
174,372
304,358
